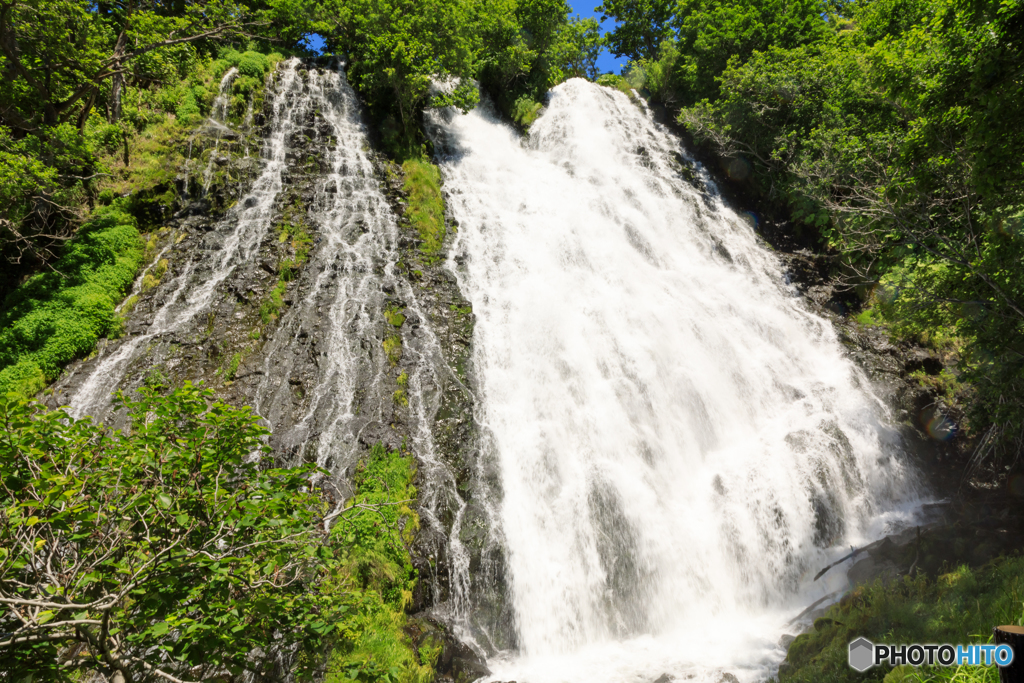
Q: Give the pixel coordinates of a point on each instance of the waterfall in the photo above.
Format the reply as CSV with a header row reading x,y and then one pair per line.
x,y
335,328
679,440
218,115
235,240
219,111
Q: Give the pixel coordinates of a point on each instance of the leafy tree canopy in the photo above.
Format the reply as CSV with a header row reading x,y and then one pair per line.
x,y
169,546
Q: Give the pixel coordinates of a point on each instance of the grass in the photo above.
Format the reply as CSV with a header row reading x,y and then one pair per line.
x,y
378,577
426,206
959,607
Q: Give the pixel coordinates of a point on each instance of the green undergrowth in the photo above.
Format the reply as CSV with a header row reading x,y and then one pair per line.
x,y
142,155
525,111
959,607
59,315
377,577
619,83
426,206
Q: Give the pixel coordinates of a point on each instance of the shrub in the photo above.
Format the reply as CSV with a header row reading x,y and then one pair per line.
x,y
525,111
163,546
378,576
57,316
253,64
188,111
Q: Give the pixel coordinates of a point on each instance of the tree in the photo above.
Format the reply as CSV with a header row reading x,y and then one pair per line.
x,y
60,59
898,141
394,49
169,551
642,26
577,48
712,33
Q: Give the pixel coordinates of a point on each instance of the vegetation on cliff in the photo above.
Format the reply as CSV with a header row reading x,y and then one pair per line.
x,y
959,606
59,314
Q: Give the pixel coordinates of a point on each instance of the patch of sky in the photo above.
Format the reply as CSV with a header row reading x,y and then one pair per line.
x,y
314,42
606,63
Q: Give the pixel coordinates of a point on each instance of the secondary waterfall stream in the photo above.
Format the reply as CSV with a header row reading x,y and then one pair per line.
x,y
244,229
679,439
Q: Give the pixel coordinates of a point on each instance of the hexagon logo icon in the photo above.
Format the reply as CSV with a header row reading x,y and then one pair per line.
x,y
862,654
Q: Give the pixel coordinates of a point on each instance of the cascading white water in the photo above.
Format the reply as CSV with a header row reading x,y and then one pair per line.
x,y
680,440
350,275
198,281
219,114
219,111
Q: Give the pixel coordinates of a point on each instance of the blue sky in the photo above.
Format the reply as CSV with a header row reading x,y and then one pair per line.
x,y
606,62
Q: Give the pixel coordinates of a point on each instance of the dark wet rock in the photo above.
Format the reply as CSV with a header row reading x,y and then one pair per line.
x,y
664,678
458,662
924,360
376,432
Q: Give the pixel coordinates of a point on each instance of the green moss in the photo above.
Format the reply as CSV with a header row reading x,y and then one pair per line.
x,y
59,315
400,397
426,206
394,316
403,379
393,348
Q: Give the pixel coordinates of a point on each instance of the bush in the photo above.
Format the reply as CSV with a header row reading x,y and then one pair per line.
x,y
57,316
378,577
188,111
253,64
525,111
